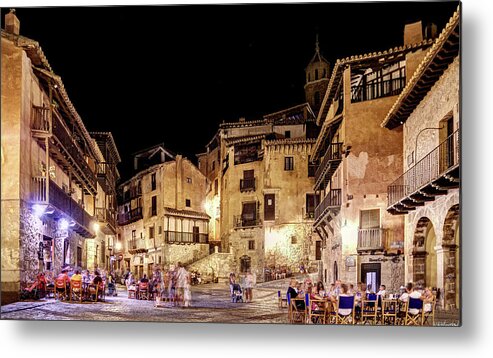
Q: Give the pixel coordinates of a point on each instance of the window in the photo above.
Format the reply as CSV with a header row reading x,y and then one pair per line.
x,y
316,75
294,240
153,181
287,134
187,203
249,214
312,201
318,250
196,235
160,230
246,153
134,234
312,168
251,244
151,232
369,219
270,207
189,180
154,206
216,186
248,181
288,163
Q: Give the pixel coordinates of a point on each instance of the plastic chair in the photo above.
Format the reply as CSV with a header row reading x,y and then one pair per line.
x,y
345,302
76,290
143,291
414,319
60,289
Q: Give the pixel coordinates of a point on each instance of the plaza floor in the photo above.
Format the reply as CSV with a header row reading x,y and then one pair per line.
x,y
211,303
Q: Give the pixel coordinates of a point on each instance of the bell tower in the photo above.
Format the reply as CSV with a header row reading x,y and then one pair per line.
x,y
317,79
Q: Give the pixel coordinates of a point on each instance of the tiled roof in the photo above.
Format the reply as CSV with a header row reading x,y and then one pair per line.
x,y
186,213
409,97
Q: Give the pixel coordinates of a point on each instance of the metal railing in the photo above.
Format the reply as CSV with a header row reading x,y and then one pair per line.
x,y
332,199
106,171
371,239
62,201
332,153
431,167
106,215
130,216
247,184
176,237
377,89
136,245
246,220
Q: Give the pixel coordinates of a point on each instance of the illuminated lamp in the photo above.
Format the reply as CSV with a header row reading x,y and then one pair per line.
x,y
95,226
63,224
39,210
118,246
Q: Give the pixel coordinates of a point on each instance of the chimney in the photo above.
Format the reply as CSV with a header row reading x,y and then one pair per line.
x,y
12,23
413,33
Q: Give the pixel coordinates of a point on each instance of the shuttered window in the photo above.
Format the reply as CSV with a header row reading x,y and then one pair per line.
x,y
369,219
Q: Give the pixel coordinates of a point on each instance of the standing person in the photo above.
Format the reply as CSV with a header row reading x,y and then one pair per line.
x,y
249,283
181,282
232,281
187,294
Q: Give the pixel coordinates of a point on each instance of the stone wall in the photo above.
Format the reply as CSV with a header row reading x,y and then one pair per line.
x,y
217,265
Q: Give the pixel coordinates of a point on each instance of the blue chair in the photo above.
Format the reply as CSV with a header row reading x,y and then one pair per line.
x,y
414,317
345,303
369,309
282,302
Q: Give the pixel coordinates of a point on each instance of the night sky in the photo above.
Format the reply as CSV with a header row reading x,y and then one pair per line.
x,y
171,74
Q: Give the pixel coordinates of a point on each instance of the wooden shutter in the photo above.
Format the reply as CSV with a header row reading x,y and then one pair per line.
x,y
270,207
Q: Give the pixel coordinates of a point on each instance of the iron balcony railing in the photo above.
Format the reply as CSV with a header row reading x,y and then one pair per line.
x,y
331,200
130,216
371,239
246,220
57,197
433,166
247,184
377,89
176,237
106,174
136,245
332,156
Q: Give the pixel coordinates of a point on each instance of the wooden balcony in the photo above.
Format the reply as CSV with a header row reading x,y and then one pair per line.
x,y
63,149
136,246
331,203
247,184
176,237
377,89
130,217
107,220
433,175
63,204
331,160
371,239
105,173
246,221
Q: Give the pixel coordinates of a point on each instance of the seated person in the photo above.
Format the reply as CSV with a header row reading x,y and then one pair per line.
x,y
64,276
144,279
410,292
428,299
344,293
76,276
97,278
294,293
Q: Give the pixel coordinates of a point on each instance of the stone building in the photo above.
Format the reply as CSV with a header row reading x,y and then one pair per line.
x,y
427,194
261,196
50,192
160,213
357,159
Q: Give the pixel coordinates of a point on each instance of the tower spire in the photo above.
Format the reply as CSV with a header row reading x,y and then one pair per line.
x,y
317,47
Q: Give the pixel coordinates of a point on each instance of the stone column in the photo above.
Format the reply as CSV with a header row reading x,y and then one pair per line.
x,y
446,276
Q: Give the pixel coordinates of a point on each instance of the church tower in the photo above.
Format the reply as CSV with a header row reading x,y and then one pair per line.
x,y
317,79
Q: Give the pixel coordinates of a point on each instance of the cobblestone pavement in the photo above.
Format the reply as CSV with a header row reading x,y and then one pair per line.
x,y
211,303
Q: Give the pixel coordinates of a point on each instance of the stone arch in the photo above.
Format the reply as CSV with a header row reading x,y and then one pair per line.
x,y
451,268
424,254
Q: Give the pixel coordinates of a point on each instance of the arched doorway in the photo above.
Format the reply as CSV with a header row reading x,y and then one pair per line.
x,y
245,263
424,254
451,269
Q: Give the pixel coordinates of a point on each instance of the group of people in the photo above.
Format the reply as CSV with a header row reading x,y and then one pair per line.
x,y
318,292
172,285
248,280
